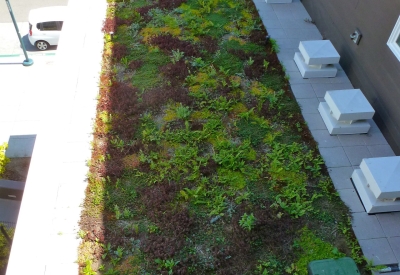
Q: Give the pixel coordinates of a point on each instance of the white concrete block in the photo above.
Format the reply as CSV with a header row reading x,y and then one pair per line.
x,y
347,105
382,176
278,1
371,204
319,52
336,127
308,71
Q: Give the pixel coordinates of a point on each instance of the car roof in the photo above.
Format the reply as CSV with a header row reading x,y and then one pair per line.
x,y
56,13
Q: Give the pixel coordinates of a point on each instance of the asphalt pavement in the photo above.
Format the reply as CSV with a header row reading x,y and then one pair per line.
x,y
21,8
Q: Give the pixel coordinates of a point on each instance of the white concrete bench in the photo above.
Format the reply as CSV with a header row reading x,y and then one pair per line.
x,y
378,184
316,59
346,112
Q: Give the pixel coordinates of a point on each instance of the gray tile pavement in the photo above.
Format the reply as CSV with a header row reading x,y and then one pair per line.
x,y
350,198
341,177
378,235
334,156
324,139
379,251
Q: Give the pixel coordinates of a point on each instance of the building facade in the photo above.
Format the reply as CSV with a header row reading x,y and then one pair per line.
x,y
372,65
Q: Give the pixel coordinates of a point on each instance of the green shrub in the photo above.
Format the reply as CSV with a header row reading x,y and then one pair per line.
x,y
3,159
4,246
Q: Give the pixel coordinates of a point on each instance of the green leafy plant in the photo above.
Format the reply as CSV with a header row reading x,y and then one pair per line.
x,y
166,264
176,56
183,112
3,159
274,45
87,270
247,221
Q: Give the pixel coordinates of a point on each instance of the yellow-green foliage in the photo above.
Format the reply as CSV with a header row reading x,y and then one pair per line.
x,y
202,114
170,115
234,179
4,247
312,248
150,32
239,108
3,159
259,90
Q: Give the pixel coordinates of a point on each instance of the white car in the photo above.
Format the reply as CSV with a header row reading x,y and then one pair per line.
x,y
45,26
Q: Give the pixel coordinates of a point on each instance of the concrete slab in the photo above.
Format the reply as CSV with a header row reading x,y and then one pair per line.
x,y
324,139
394,243
380,151
374,136
366,226
320,89
278,1
378,250
283,14
289,66
352,140
286,54
334,157
303,34
356,153
390,223
277,33
302,90
341,177
308,105
350,198
287,43
314,121
341,77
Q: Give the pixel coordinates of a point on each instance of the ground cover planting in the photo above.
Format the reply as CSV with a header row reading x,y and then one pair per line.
x,y
202,163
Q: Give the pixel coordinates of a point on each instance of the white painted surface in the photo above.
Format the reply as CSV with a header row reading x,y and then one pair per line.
x,y
371,203
336,127
383,176
61,110
308,71
349,105
319,52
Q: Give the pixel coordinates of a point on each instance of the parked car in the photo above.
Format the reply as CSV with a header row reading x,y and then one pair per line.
x,y
45,25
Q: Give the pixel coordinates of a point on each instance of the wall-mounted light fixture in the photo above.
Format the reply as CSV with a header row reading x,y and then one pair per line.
x,y
356,36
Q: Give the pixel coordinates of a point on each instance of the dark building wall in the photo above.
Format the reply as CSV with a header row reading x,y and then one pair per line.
x,y
371,65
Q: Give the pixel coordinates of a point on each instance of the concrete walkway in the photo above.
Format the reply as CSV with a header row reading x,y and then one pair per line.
x,y
378,235
54,99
